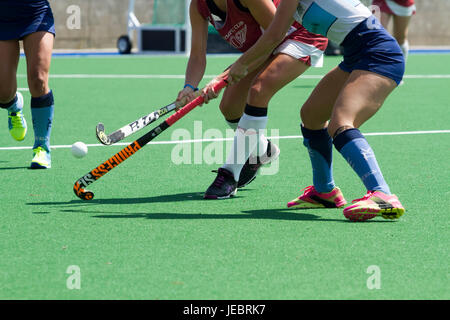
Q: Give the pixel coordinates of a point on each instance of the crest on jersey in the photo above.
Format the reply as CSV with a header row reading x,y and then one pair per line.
x,y
239,38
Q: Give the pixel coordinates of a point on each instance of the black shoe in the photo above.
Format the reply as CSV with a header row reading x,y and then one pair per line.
x,y
223,187
252,165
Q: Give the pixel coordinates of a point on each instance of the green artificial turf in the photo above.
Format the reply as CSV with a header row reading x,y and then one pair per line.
x,y
148,234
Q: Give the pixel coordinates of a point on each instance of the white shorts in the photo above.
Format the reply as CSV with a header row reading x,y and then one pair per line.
x,y
399,10
307,53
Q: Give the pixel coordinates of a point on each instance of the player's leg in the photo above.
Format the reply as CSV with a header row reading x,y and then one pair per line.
x,y
279,71
385,19
362,96
232,107
234,99
38,48
315,114
400,33
10,98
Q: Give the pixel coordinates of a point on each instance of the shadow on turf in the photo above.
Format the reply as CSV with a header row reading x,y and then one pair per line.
x,y
170,198
276,214
14,168
162,198
272,214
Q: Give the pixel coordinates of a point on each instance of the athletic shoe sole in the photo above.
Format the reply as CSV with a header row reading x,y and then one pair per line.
x,y
364,214
35,165
214,197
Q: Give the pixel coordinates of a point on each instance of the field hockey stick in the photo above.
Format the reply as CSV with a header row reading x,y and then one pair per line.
x,y
125,131
135,146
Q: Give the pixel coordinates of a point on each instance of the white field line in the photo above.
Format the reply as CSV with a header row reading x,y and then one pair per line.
x,y
181,76
400,133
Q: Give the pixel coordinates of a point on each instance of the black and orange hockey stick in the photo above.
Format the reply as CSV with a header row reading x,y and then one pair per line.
x,y
135,146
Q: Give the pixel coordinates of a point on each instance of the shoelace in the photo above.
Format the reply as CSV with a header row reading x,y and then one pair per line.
x,y
367,196
307,189
16,120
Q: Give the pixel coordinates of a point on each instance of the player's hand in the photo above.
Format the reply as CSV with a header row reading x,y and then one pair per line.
x,y
185,96
237,72
208,92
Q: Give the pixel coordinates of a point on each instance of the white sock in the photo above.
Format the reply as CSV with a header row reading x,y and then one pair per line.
x,y
405,49
261,146
232,125
246,139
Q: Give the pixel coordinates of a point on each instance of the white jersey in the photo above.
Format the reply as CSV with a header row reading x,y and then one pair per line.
x,y
331,18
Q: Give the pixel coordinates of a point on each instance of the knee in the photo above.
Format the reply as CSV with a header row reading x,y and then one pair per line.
x,y
38,83
231,111
334,128
304,115
307,117
261,91
255,89
331,130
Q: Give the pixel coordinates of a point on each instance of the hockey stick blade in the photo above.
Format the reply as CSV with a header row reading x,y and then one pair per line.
x,y
101,135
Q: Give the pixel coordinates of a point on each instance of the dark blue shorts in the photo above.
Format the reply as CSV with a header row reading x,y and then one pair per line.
x,y
19,18
370,47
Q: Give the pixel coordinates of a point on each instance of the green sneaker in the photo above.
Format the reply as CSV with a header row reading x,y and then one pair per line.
x,y
17,124
41,159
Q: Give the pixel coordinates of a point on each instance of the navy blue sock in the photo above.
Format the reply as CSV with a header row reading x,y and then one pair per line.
x,y
358,153
13,105
320,148
42,115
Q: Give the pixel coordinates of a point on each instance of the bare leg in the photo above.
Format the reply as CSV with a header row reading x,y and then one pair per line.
x,y
281,70
235,96
316,111
9,57
38,51
385,19
401,29
401,33
249,138
9,98
362,96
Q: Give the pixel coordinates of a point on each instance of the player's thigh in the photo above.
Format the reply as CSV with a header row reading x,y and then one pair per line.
x,y
318,107
401,28
38,48
362,96
9,60
385,18
279,71
234,97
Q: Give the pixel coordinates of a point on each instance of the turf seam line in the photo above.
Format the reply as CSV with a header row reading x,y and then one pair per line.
x,y
230,139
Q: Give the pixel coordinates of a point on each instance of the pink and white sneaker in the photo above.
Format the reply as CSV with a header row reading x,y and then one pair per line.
x,y
313,199
373,204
